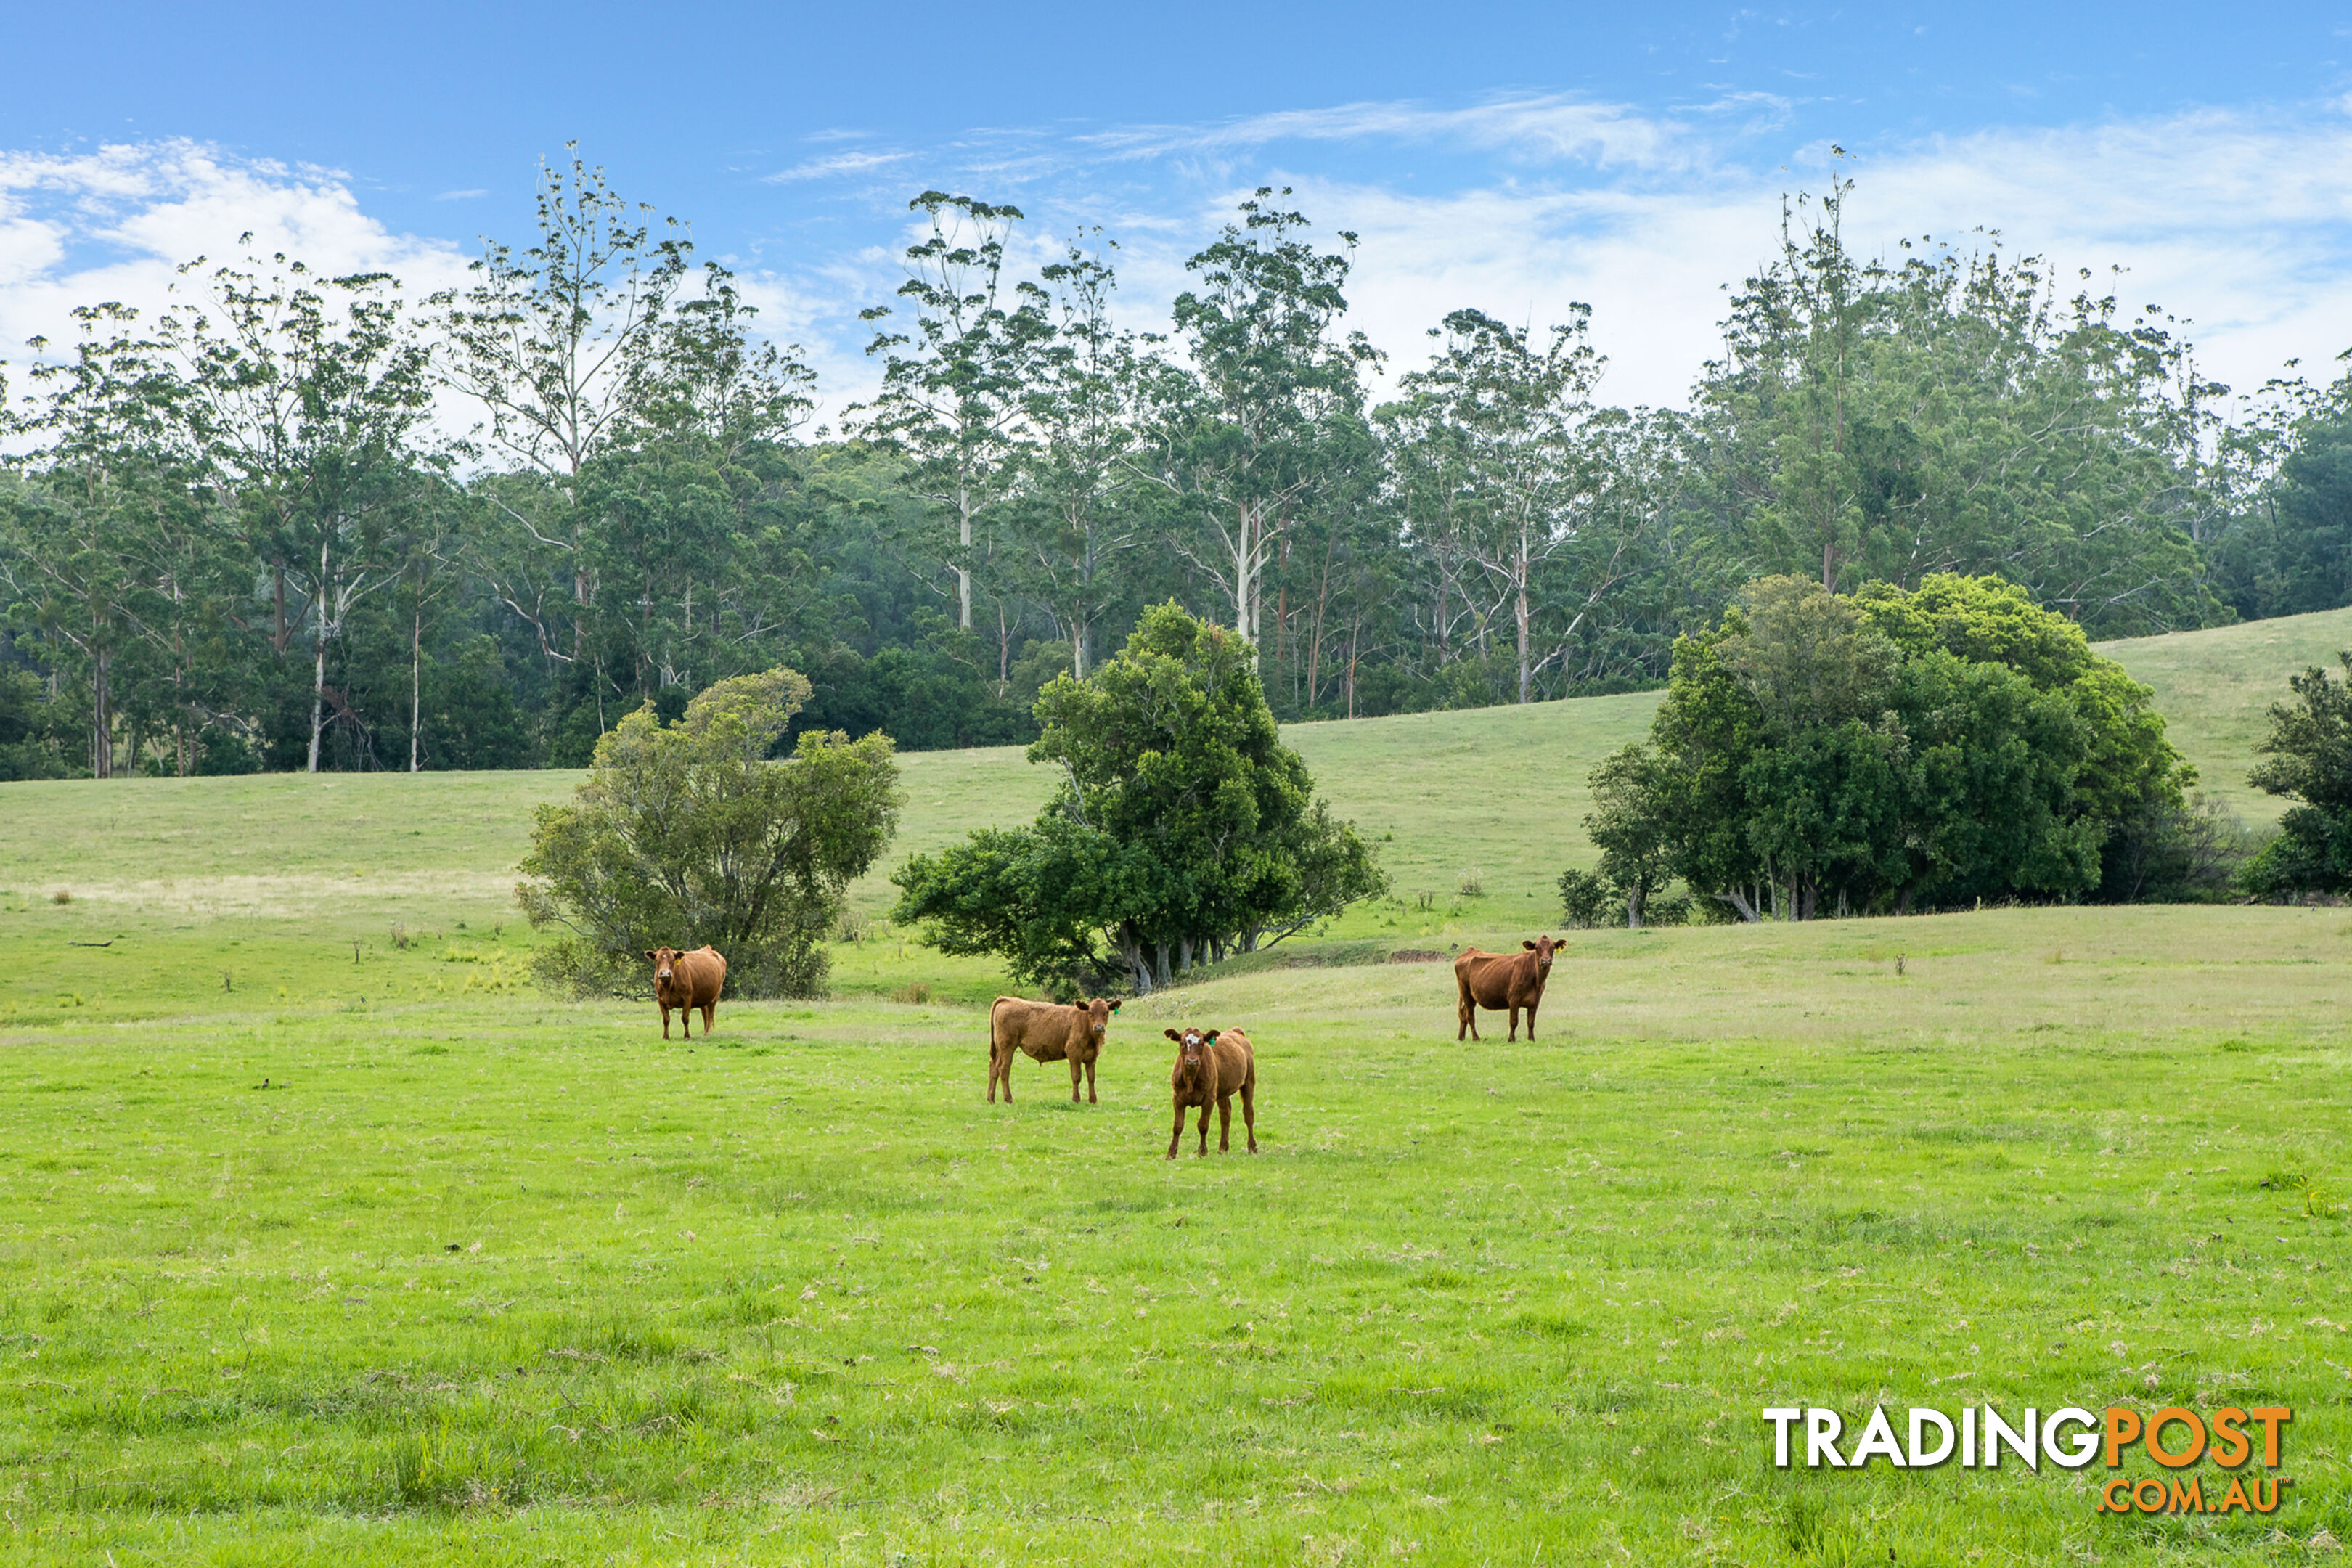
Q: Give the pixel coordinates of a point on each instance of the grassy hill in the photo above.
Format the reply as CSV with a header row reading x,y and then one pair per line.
x,y
2215,688
1498,793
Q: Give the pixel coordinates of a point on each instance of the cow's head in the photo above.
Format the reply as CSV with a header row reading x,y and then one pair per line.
x,y
1543,947
1195,1042
1097,1012
665,960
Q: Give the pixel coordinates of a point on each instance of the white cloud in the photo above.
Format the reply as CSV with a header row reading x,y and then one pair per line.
x,y
117,223
840,163
2235,221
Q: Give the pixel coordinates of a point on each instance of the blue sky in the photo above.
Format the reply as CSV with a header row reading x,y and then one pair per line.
x,y
1509,157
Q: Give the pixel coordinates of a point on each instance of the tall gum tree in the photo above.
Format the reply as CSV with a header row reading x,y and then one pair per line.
x,y
311,394
1239,429
954,382
554,345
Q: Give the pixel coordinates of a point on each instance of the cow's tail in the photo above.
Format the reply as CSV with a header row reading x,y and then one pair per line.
x,y
993,1008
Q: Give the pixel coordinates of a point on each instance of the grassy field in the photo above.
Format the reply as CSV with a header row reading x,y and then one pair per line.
x,y
314,1241
2215,690
515,1282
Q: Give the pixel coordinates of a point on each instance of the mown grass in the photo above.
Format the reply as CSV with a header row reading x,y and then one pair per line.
x,y
518,1282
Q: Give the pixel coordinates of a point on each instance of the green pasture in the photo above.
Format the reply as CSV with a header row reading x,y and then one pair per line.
x,y
318,1240
2215,690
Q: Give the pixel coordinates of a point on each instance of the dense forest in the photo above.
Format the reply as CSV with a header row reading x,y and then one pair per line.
x,y
305,521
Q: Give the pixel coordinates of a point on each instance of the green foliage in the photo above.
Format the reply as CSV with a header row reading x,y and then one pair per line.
x,y
2307,758
1183,825
239,541
1584,899
1954,745
29,730
1949,413
684,834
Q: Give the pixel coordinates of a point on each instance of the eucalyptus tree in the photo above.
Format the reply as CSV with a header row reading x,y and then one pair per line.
x,y
112,555
1079,409
693,495
955,383
1519,478
1241,430
310,395
1942,411
557,345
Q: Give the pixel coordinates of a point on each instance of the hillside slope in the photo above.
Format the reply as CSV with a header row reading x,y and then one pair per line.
x,y
2215,690
1501,791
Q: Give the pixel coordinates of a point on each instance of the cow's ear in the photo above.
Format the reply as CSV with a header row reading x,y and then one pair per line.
x,y
1212,1035
1529,945
1114,1006
1171,1033
649,952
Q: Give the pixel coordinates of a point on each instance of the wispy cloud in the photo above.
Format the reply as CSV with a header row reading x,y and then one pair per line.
x,y
2239,221
1530,130
840,163
460,196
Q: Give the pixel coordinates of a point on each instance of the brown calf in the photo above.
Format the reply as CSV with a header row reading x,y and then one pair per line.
x,y
687,981
1210,1065
1500,981
1049,1032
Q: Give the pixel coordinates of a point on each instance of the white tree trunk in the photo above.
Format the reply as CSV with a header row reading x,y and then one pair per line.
x,y
415,685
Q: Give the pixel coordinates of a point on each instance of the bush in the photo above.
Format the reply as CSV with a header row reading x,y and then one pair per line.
x,y
1585,900
684,834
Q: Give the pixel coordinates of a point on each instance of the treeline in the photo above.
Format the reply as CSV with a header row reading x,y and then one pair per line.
x,y
294,520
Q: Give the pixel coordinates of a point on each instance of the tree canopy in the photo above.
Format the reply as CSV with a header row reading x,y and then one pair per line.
x,y
299,521
684,833
1182,828
1889,750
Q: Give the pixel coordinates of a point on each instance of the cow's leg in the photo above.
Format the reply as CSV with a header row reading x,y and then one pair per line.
x,y
664,1007
1225,1124
1531,1021
709,1012
1249,1114
1202,1151
1075,1068
1176,1134
1463,1014
1090,1085
1515,1020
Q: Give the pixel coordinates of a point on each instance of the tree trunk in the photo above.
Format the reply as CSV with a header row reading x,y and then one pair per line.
x,y
963,562
415,686
1521,609
319,666
102,721
1633,900
1139,967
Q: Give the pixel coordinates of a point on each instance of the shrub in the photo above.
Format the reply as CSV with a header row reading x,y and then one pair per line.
x,y
1585,900
685,834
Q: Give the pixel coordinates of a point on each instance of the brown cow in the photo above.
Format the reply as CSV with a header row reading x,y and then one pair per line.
x,y
1496,981
1210,1065
1049,1032
687,981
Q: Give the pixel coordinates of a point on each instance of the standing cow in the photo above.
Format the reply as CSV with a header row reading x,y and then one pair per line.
x,y
687,981
1050,1032
1501,981
1211,1067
